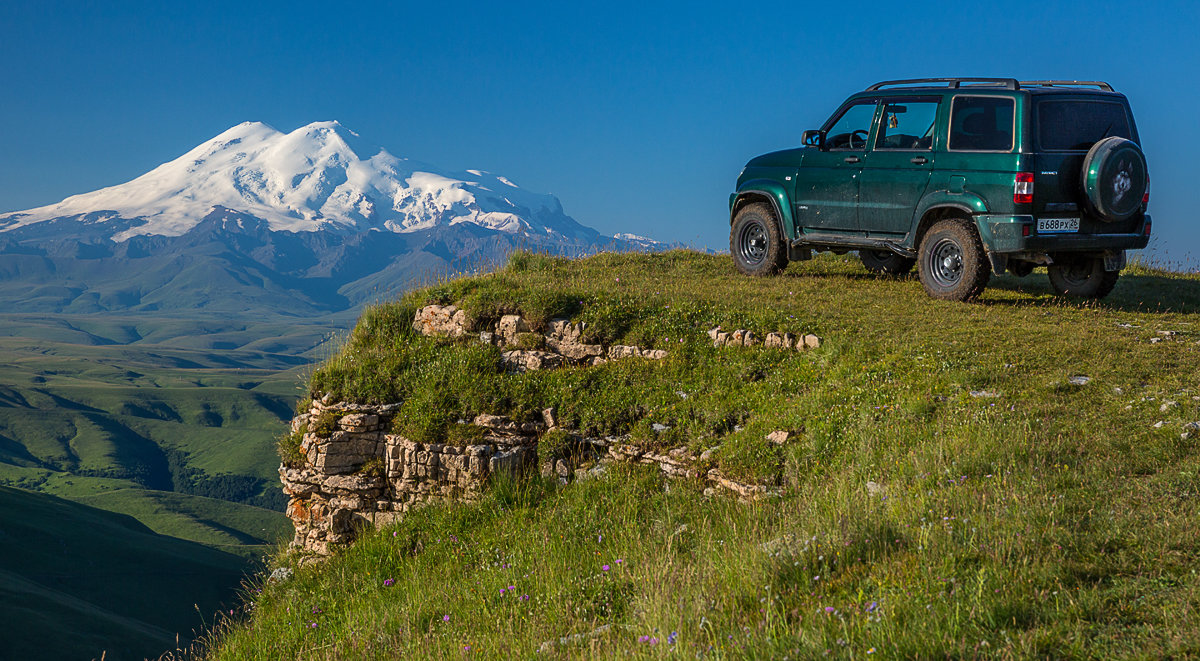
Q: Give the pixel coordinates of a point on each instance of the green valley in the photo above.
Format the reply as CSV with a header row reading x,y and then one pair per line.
x,y
170,420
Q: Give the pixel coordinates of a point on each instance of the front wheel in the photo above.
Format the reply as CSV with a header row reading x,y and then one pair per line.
x,y
1084,277
952,263
755,241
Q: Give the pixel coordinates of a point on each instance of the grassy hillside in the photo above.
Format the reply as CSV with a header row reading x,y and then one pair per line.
x,y
993,480
112,405
76,582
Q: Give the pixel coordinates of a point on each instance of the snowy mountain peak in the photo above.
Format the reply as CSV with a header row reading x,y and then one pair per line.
x,y
321,176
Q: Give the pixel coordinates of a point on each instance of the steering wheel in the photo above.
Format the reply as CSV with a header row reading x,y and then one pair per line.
x,y
863,139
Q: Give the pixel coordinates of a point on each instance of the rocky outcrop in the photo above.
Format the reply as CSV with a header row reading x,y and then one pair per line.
x,y
355,473
351,471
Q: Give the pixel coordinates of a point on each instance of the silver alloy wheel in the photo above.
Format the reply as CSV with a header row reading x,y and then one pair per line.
x,y
752,244
946,262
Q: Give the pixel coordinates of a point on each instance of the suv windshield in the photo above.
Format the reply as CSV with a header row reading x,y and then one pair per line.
x,y
1070,125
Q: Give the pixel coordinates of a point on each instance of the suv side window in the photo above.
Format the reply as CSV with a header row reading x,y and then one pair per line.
x,y
850,131
907,124
981,123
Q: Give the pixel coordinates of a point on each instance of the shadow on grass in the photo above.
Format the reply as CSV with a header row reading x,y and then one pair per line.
x,y
1146,293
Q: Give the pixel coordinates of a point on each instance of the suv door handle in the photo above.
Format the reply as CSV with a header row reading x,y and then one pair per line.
x,y
851,159
918,160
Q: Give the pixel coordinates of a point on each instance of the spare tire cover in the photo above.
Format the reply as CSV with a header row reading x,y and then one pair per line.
x,y
1114,178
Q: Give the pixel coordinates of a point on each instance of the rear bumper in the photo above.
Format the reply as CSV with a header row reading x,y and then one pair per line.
x,y
1006,234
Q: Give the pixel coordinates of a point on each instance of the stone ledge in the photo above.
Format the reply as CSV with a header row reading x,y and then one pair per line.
x,y
746,338
354,478
562,344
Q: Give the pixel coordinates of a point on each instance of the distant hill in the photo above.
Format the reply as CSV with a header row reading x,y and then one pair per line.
x,y
76,582
312,221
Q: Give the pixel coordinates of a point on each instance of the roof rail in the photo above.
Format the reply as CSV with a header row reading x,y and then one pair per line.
x,y
1006,83
1068,83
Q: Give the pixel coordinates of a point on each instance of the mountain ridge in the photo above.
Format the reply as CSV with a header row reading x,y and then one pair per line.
x,y
313,221
321,176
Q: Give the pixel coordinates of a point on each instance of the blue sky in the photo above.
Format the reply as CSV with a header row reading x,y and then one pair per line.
x,y
637,115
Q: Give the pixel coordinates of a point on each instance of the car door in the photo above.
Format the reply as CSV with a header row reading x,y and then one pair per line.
x,y
896,171
827,182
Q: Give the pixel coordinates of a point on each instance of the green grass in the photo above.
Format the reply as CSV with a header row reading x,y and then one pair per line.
x,y
231,527
95,402
917,520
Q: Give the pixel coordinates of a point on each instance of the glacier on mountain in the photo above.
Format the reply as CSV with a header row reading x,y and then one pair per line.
x,y
320,177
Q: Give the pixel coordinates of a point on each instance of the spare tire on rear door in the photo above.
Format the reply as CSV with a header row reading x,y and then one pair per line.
x,y
1114,179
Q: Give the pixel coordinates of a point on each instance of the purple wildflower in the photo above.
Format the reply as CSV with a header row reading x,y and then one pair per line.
x,y
830,609
445,618
605,568
387,582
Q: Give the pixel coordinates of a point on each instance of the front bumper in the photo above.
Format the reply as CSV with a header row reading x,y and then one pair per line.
x,y
1009,234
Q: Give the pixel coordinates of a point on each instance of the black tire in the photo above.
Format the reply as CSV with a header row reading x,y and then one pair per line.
x,y
886,262
1083,277
756,242
952,263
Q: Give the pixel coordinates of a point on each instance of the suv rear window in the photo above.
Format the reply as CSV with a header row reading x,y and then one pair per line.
x,y
1072,124
981,123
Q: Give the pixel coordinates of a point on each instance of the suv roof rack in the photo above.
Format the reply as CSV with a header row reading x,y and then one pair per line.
x,y
1103,86
1005,83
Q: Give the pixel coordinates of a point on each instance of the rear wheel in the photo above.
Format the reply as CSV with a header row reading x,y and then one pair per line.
x,y
755,241
952,263
1083,277
885,261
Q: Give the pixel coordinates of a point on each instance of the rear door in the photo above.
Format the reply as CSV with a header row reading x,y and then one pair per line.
x,y
896,171
1064,128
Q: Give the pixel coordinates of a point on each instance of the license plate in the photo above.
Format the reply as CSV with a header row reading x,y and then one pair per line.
x,y
1053,225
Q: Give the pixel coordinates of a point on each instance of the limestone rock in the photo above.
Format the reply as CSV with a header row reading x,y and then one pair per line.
x,y
524,361
778,437
619,351
444,320
509,326
780,340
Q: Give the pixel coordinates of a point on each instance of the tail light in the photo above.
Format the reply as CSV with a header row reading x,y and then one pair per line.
x,y
1146,230
1146,197
1023,189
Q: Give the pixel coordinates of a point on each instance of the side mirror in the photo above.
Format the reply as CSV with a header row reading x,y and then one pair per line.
x,y
813,138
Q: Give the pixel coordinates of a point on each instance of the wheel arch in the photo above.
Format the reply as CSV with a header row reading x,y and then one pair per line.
x,y
932,215
774,195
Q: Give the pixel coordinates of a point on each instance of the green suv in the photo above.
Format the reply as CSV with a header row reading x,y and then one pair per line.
x,y
961,177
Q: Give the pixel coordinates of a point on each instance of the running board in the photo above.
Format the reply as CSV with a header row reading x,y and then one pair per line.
x,y
829,242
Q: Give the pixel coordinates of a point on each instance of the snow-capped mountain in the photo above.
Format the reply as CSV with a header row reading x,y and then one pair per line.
x,y
307,222
319,177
